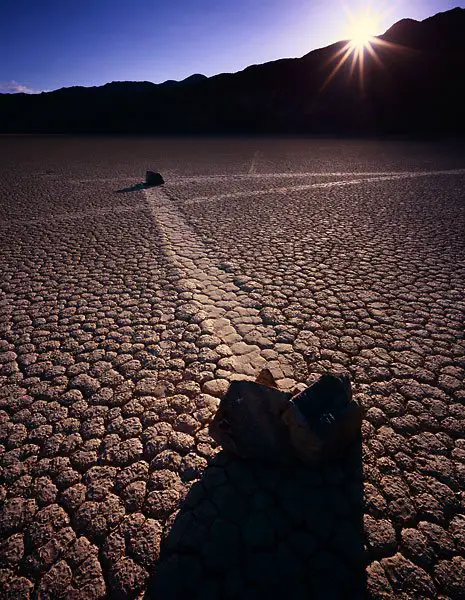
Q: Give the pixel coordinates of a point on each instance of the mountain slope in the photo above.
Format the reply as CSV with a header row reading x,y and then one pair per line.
x,y
415,84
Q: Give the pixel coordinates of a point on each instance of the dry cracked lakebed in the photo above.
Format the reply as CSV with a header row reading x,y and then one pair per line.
x,y
124,316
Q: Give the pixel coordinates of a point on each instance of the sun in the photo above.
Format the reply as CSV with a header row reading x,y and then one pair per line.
x,y
362,29
361,44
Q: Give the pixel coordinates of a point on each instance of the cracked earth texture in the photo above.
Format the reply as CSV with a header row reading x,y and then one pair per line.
x,y
123,316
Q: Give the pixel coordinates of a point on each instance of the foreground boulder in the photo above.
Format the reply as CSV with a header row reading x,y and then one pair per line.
x,y
256,420
153,178
323,419
249,422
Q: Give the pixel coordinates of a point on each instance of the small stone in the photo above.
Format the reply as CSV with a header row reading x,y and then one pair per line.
x,y
144,542
163,479
457,529
159,504
186,424
124,453
223,350
438,538
181,442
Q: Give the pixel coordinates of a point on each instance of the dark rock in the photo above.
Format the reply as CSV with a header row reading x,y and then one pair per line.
x,y
248,422
330,413
257,421
153,178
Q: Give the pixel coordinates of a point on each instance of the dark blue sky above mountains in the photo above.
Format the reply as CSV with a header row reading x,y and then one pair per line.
x,y
54,43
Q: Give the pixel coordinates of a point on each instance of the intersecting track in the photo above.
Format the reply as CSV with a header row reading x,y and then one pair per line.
x,y
367,178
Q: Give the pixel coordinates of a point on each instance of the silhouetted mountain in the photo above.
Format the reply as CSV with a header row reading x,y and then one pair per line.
x,y
188,81
412,82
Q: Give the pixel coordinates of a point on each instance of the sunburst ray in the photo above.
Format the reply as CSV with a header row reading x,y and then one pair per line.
x,y
361,47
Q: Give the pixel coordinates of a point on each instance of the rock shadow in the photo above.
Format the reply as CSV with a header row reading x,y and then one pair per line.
x,y
253,530
134,188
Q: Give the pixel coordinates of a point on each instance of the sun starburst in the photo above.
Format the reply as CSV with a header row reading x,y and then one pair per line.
x,y
360,33
362,28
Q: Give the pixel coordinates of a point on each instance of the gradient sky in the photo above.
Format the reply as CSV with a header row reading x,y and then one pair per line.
x,y
49,44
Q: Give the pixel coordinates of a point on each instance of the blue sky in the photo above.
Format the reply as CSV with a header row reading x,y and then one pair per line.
x,y
49,44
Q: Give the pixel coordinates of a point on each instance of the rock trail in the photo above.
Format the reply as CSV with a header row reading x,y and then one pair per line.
x,y
368,178
231,324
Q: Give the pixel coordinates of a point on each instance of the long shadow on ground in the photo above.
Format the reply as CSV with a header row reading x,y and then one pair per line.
x,y
134,188
250,530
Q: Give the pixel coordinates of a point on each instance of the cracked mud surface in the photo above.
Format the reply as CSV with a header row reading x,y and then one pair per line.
x,y
124,316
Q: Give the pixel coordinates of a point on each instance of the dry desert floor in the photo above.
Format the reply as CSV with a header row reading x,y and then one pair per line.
x,y
125,313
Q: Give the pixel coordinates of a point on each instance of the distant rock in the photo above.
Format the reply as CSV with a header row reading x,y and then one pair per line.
x,y
153,178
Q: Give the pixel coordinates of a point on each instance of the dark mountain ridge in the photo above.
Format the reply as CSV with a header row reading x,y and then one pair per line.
x,y
415,84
